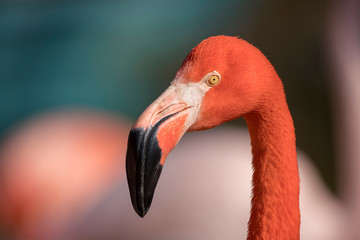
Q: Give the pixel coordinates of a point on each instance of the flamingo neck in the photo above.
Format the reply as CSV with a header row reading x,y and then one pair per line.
x,y
275,210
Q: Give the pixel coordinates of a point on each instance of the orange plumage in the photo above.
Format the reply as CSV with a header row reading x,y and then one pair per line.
x,y
249,88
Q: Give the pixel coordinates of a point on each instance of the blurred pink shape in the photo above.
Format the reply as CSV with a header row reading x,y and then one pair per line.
x,y
344,49
205,194
53,168
63,178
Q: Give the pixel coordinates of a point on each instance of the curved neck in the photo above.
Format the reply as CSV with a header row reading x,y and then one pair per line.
x,y
275,210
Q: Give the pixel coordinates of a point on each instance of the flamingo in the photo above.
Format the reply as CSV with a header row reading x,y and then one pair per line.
x,y
221,79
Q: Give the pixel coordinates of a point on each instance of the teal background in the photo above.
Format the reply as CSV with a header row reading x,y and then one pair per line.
x,y
118,56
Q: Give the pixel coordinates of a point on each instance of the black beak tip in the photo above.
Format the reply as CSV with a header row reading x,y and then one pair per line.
x,y
143,168
142,212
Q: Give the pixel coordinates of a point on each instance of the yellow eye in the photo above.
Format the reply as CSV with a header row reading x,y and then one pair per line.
x,y
213,80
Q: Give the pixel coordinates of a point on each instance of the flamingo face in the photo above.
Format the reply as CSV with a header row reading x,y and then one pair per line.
x,y
216,83
156,133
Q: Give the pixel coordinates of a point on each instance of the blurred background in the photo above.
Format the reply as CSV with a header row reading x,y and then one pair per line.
x,y
80,72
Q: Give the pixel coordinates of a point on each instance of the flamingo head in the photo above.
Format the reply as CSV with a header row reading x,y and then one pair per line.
x,y
221,79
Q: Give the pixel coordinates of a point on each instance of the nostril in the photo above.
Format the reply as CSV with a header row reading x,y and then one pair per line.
x,y
166,109
175,107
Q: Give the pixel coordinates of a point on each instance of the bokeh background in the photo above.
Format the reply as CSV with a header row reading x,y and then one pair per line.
x,y
120,55
116,57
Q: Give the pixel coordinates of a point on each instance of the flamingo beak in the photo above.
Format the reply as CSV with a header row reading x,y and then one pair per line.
x,y
153,136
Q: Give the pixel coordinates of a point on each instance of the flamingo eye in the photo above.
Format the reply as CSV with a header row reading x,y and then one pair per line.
x,y
213,80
